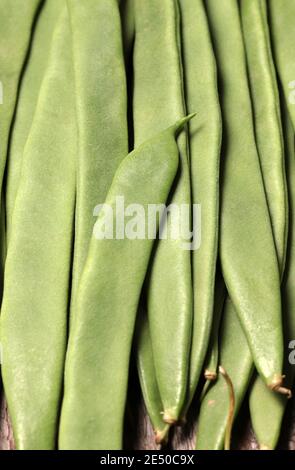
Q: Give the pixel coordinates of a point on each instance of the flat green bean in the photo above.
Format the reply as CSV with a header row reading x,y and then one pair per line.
x,y
267,118
101,103
37,270
107,302
17,20
28,98
205,139
158,101
267,409
247,250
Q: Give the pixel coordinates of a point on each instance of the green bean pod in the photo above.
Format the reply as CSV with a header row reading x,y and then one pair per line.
x,y
101,103
204,139
265,98
97,364
17,19
148,379
143,345
158,101
28,98
212,359
281,14
267,409
236,358
267,118
37,271
246,239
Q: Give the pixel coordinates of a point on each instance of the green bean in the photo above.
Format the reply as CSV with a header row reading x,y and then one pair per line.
x,y
17,20
37,271
98,355
28,97
269,138
236,358
158,101
281,14
205,139
267,409
246,240
147,378
267,118
101,112
211,363
143,345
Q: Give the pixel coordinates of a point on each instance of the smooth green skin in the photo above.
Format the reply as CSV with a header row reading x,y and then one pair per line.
x,y
97,364
143,345
147,376
17,19
267,118
28,97
158,101
101,102
281,19
246,239
34,322
269,138
214,409
212,359
267,409
205,140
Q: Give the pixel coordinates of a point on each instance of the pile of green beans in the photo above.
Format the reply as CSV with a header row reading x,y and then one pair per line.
x,y
174,103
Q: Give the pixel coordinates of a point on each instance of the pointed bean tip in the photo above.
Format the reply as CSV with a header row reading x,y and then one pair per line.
x,y
183,121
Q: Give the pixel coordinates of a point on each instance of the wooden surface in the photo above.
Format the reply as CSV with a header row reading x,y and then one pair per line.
x,y
139,433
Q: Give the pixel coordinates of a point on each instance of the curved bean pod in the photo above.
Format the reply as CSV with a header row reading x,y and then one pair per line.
x,y
267,409
158,80
205,139
246,238
101,335
28,97
37,271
